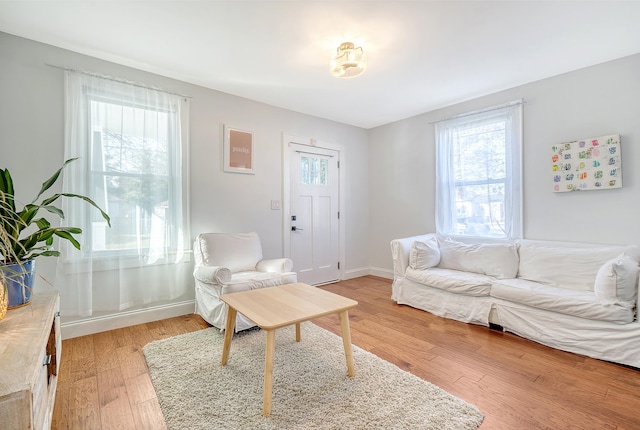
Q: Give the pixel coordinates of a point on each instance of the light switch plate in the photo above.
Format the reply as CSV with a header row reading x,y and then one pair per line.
x,y
275,205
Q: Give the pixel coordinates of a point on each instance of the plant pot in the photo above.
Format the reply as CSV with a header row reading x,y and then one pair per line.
x,y
19,280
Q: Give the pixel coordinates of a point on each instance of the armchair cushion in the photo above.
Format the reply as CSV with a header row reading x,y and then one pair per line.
x,y
237,251
276,265
245,281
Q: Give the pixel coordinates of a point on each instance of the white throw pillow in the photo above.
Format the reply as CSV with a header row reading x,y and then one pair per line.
x,y
424,254
617,279
494,259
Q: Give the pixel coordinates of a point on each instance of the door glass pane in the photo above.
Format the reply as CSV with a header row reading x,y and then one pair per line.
x,y
314,171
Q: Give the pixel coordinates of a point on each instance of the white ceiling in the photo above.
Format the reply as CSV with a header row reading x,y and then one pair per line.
x,y
422,55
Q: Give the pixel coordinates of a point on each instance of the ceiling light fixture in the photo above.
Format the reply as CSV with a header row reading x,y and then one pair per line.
x,y
348,62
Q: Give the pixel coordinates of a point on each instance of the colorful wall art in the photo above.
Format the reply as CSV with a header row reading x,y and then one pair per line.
x,y
587,164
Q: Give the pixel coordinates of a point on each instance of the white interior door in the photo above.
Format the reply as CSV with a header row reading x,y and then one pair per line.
x,y
314,213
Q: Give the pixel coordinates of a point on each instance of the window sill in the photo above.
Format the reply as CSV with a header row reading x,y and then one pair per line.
x,y
114,262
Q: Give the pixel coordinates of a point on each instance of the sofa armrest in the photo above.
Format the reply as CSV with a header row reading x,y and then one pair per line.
x,y
400,250
275,265
212,274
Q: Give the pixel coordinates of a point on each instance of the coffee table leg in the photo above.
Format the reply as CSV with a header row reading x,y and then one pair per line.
x,y
346,340
268,372
228,334
297,332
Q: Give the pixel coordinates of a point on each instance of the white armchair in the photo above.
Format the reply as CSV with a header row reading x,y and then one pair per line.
x,y
232,262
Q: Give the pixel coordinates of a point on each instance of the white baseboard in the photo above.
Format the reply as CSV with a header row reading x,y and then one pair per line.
x,y
125,319
364,271
356,273
383,273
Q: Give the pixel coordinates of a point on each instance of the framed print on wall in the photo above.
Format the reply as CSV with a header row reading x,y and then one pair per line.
x,y
587,164
238,151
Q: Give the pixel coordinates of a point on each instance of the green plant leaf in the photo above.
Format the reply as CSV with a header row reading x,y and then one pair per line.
x,y
52,180
69,237
54,210
48,253
28,213
30,241
47,237
77,196
6,186
42,223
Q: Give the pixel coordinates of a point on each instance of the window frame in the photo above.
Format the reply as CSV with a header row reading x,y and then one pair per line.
x,y
81,175
93,175
446,132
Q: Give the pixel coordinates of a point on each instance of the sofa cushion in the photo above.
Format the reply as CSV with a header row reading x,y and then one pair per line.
x,y
453,281
570,268
494,259
424,254
581,304
617,279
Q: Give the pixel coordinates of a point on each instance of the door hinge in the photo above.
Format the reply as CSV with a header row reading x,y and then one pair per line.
x,y
338,214
338,265
338,164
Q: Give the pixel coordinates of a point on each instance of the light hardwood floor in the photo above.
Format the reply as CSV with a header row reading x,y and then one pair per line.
x,y
516,383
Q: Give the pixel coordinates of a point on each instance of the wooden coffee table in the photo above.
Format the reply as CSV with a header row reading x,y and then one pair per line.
x,y
274,307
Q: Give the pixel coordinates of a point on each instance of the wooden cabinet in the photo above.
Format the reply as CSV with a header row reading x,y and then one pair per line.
x,y
30,347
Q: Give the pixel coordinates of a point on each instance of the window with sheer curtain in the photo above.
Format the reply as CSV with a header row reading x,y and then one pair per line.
x,y
130,143
479,173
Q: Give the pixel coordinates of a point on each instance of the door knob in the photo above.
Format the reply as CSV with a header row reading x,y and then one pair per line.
x,y
294,228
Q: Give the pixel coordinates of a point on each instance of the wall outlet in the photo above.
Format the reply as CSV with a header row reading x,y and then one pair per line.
x,y
275,205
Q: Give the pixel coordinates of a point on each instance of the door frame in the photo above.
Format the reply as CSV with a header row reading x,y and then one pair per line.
x,y
287,139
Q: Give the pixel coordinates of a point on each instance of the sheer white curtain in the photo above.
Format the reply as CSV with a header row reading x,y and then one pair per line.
x,y
129,141
479,173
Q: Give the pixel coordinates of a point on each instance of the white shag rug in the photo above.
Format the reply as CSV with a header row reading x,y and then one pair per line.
x,y
311,389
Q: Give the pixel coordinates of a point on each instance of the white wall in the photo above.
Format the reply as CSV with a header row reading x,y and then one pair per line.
x,y
390,172
32,133
599,100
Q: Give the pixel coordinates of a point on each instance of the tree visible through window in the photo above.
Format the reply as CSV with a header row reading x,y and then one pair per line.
x,y
478,174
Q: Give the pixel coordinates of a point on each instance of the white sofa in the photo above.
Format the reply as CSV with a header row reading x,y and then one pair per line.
x,y
229,263
581,298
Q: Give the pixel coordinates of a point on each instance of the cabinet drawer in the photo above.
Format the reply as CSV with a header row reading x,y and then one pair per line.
x,y
27,385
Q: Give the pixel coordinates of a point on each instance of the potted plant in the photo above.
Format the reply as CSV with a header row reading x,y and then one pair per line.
x,y
29,236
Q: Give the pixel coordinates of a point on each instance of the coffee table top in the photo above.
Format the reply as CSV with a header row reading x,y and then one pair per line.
x,y
283,305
